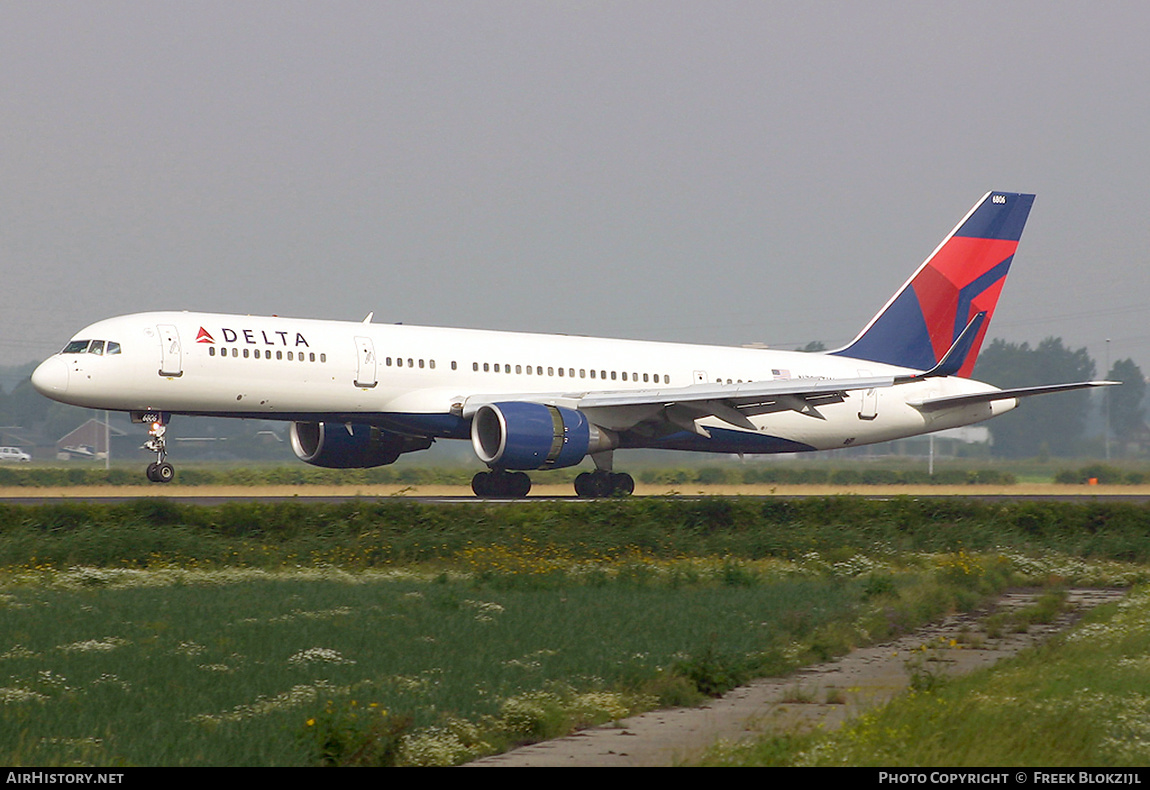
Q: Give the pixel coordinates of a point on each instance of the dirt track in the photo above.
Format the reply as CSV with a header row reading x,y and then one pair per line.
x,y
861,680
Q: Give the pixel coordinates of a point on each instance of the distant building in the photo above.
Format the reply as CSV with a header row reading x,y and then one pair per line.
x,y
89,441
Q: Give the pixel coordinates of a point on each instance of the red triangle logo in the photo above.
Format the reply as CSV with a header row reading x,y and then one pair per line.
x,y
204,336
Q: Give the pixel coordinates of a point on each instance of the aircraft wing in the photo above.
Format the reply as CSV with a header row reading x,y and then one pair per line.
x,y
621,410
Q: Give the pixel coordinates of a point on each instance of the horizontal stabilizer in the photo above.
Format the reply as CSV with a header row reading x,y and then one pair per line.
x,y
950,401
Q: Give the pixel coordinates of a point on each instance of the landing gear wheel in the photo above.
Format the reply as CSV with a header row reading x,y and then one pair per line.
x,y
599,484
622,484
500,484
160,473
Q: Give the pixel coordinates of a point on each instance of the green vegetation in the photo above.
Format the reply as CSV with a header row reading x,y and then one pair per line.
x,y
392,632
395,532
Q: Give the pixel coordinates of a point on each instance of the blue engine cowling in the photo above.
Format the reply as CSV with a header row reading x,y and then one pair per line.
x,y
517,435
332,445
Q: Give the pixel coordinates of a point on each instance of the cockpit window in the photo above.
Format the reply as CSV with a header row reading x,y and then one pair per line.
x,y
97,347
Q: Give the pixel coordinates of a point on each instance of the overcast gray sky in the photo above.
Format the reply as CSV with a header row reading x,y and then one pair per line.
x,y
720,172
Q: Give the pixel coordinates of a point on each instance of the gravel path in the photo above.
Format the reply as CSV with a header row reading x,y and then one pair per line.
x,y
855,682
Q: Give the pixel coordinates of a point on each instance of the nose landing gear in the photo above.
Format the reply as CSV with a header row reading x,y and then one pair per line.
x,y
160,471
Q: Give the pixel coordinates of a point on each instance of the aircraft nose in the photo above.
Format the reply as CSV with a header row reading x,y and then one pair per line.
x,y
51,377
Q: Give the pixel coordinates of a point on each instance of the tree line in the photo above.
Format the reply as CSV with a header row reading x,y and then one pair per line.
x,y
1057,424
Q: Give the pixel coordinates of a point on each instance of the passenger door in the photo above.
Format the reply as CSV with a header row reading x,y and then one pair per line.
x,y
365,370
171,355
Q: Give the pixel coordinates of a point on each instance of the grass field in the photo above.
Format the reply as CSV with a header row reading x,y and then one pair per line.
x,y
391,632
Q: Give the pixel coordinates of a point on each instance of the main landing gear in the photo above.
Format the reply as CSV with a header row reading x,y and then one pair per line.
x,y
501,484
160,471
604,481
600,483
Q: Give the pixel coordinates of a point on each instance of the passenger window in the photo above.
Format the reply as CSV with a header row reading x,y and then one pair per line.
x,y
311,356
290,358
211,351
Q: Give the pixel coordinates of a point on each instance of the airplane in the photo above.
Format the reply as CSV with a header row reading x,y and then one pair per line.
x,y
360,394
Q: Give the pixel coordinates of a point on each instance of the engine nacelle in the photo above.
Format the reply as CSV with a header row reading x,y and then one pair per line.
x,y
518,435
335,446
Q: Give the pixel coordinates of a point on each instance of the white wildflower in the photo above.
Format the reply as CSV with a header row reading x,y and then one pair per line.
x,y
104,645
319,655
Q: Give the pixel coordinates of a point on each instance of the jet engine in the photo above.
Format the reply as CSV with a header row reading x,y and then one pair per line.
x,y
519,435
350,446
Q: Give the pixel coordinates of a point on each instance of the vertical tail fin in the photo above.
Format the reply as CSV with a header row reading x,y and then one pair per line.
x,y
961,278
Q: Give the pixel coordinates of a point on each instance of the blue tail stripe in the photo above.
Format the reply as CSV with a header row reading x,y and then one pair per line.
x,y
992,220
908,345
967,294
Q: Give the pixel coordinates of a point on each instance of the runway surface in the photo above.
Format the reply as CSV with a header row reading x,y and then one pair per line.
x,y
457,495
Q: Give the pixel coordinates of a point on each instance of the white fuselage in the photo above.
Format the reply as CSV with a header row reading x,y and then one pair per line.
x,y
420,380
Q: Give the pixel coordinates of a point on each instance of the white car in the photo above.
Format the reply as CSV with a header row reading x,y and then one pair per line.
x,y
14,454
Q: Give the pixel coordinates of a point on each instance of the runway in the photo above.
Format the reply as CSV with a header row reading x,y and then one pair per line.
x,y
214,496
